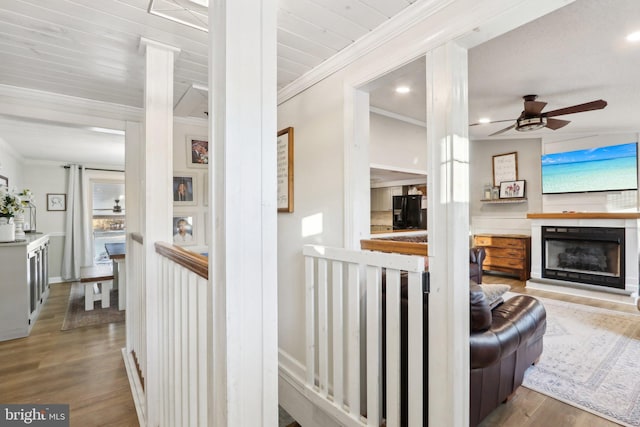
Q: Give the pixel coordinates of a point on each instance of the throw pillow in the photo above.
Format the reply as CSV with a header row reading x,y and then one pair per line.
x,y
494,293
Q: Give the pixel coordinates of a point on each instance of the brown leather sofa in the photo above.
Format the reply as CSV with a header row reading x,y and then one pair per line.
x,y
503,342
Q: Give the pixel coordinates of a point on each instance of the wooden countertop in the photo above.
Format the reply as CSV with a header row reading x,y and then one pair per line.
x,y
585,215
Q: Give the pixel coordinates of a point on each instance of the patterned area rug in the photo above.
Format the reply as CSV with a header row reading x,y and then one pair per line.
x,y
590,360
77,317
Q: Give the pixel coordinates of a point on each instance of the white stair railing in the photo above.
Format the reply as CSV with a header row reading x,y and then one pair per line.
x,y
335,290
180,357
134,352
182,337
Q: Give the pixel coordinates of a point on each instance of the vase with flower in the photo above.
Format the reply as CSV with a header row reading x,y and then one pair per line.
x,y
12,203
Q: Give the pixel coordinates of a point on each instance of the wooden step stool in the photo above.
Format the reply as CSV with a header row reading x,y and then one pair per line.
x,y
97,281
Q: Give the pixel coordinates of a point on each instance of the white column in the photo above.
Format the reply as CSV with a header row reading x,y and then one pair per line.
x,y
133,214
242,258
156,201
448,225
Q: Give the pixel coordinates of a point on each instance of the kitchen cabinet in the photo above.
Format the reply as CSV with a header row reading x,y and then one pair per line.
x,y
382,198
24,285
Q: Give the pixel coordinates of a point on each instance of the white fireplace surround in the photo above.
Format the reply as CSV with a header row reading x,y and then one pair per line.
x,y
629,221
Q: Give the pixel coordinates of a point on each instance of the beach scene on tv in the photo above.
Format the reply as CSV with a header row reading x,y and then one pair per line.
x,y
609,168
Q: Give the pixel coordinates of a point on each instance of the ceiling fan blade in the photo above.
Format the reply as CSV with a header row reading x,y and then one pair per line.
x,y
588,106
533,108
554,124
493,121
503,130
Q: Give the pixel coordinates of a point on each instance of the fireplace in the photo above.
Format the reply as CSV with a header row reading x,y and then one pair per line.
x,y
591,255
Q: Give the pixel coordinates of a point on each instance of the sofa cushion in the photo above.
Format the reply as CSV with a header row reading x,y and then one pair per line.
x,y
480,313
494,293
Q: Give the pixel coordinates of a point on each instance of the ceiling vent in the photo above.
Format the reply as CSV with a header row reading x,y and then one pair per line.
x,y
193,13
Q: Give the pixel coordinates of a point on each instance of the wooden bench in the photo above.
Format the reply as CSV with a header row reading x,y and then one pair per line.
x,y
97,281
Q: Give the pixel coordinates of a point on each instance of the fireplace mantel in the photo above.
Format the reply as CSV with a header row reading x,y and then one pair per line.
x,y
585,215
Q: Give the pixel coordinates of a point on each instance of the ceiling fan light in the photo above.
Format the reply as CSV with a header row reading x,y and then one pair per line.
x,y
529,124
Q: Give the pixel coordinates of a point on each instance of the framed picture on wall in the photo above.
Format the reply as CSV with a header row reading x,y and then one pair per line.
x,y
512,189
4,181
184,190
505,168
197,152
183,229
285,170
56,202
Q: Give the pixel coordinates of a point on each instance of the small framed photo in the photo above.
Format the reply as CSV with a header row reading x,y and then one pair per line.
x,y
184,190
183,229
512,189
56,202
4,181
197,152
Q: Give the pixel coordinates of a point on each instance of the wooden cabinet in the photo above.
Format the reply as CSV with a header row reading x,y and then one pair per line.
x,y
507,253
24,286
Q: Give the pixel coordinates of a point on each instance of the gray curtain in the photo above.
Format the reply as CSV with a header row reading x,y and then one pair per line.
x,y
77,241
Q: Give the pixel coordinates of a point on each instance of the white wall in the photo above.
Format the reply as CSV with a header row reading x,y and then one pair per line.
x,y
317,218
11,165
397,145
503,218
42,178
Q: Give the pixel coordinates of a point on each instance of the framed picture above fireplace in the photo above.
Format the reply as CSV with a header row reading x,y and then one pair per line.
x,y
512,189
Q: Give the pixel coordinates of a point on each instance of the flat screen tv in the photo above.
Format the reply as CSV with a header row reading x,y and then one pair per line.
x,y
609,168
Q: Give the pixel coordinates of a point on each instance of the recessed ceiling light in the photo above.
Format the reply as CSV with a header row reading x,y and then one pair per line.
x,y
403,89
484,120
634,37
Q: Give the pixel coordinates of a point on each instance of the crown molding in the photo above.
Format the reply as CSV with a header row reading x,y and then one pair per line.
x,y
404,20
33,104
4,145
191,121
397,116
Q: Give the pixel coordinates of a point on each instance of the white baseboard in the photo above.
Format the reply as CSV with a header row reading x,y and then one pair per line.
x,y
137,391
54,280
549,286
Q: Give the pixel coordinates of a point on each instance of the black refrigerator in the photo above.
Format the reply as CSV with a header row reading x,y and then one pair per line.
x,y
408,213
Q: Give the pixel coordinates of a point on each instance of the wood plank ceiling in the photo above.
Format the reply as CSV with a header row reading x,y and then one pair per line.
x,y
90,49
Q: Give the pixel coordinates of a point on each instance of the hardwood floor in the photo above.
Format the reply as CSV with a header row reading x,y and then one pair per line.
x,y
528,408
81,367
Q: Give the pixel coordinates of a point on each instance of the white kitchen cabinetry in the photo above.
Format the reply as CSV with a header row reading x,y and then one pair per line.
x,y
24,284
382,198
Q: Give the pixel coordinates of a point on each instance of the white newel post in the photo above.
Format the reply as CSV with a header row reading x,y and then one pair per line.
x,y
242,258
448,225
157,166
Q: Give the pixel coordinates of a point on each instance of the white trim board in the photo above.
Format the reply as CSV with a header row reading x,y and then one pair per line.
x,y
575,289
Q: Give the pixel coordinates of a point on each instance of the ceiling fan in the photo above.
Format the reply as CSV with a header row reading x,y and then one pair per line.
x,y
532,117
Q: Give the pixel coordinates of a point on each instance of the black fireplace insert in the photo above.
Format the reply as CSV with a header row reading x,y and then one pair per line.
x,y
591,255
